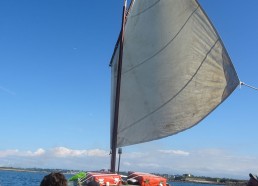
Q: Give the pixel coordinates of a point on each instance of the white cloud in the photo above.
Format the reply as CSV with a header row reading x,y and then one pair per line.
x,y
6,153
175,152
126,163
98,152
65,152
38,152
55,152
15,152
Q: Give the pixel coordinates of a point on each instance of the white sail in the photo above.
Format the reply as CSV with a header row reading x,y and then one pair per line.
x,y
175,70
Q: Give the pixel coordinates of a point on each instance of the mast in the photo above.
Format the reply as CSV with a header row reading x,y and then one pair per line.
x,y
115,126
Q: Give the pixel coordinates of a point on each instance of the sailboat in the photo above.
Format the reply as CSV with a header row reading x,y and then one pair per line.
x,y
169,70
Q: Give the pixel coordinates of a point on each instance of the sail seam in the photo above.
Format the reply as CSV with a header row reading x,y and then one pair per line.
x,y
146,9
165,46
197,70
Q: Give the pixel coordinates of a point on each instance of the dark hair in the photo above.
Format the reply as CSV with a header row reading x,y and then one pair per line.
x,y
54,179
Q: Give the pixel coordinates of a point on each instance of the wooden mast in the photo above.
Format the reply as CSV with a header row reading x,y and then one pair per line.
x,y
115,126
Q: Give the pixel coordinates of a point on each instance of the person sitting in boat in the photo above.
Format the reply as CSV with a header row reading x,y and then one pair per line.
x,y
54,179
253,181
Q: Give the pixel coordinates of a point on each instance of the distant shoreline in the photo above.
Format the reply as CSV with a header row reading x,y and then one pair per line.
x,y
20,170
240,183
199,181
37,170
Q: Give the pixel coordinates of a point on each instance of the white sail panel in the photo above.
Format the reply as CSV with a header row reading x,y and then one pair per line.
x,y
175,70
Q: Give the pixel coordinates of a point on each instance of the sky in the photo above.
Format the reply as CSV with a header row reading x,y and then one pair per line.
x,y
55,92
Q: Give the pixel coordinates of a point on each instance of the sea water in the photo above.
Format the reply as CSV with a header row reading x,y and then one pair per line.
x,y
15,178
18,178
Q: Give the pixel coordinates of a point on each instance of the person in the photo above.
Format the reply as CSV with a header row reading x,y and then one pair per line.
x,y
54,179
253,181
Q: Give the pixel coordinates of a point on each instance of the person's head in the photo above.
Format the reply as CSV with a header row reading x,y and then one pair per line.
x,y
253,181
54,179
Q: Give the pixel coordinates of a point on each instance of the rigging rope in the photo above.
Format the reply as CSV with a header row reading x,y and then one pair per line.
x,y
242,83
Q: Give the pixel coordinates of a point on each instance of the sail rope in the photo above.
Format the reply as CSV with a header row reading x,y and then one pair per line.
x,y
252,87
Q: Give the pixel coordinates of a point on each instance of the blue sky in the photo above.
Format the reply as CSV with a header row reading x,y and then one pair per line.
x,y
55,92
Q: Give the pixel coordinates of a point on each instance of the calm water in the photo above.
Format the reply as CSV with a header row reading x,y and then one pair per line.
x,y
12,178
